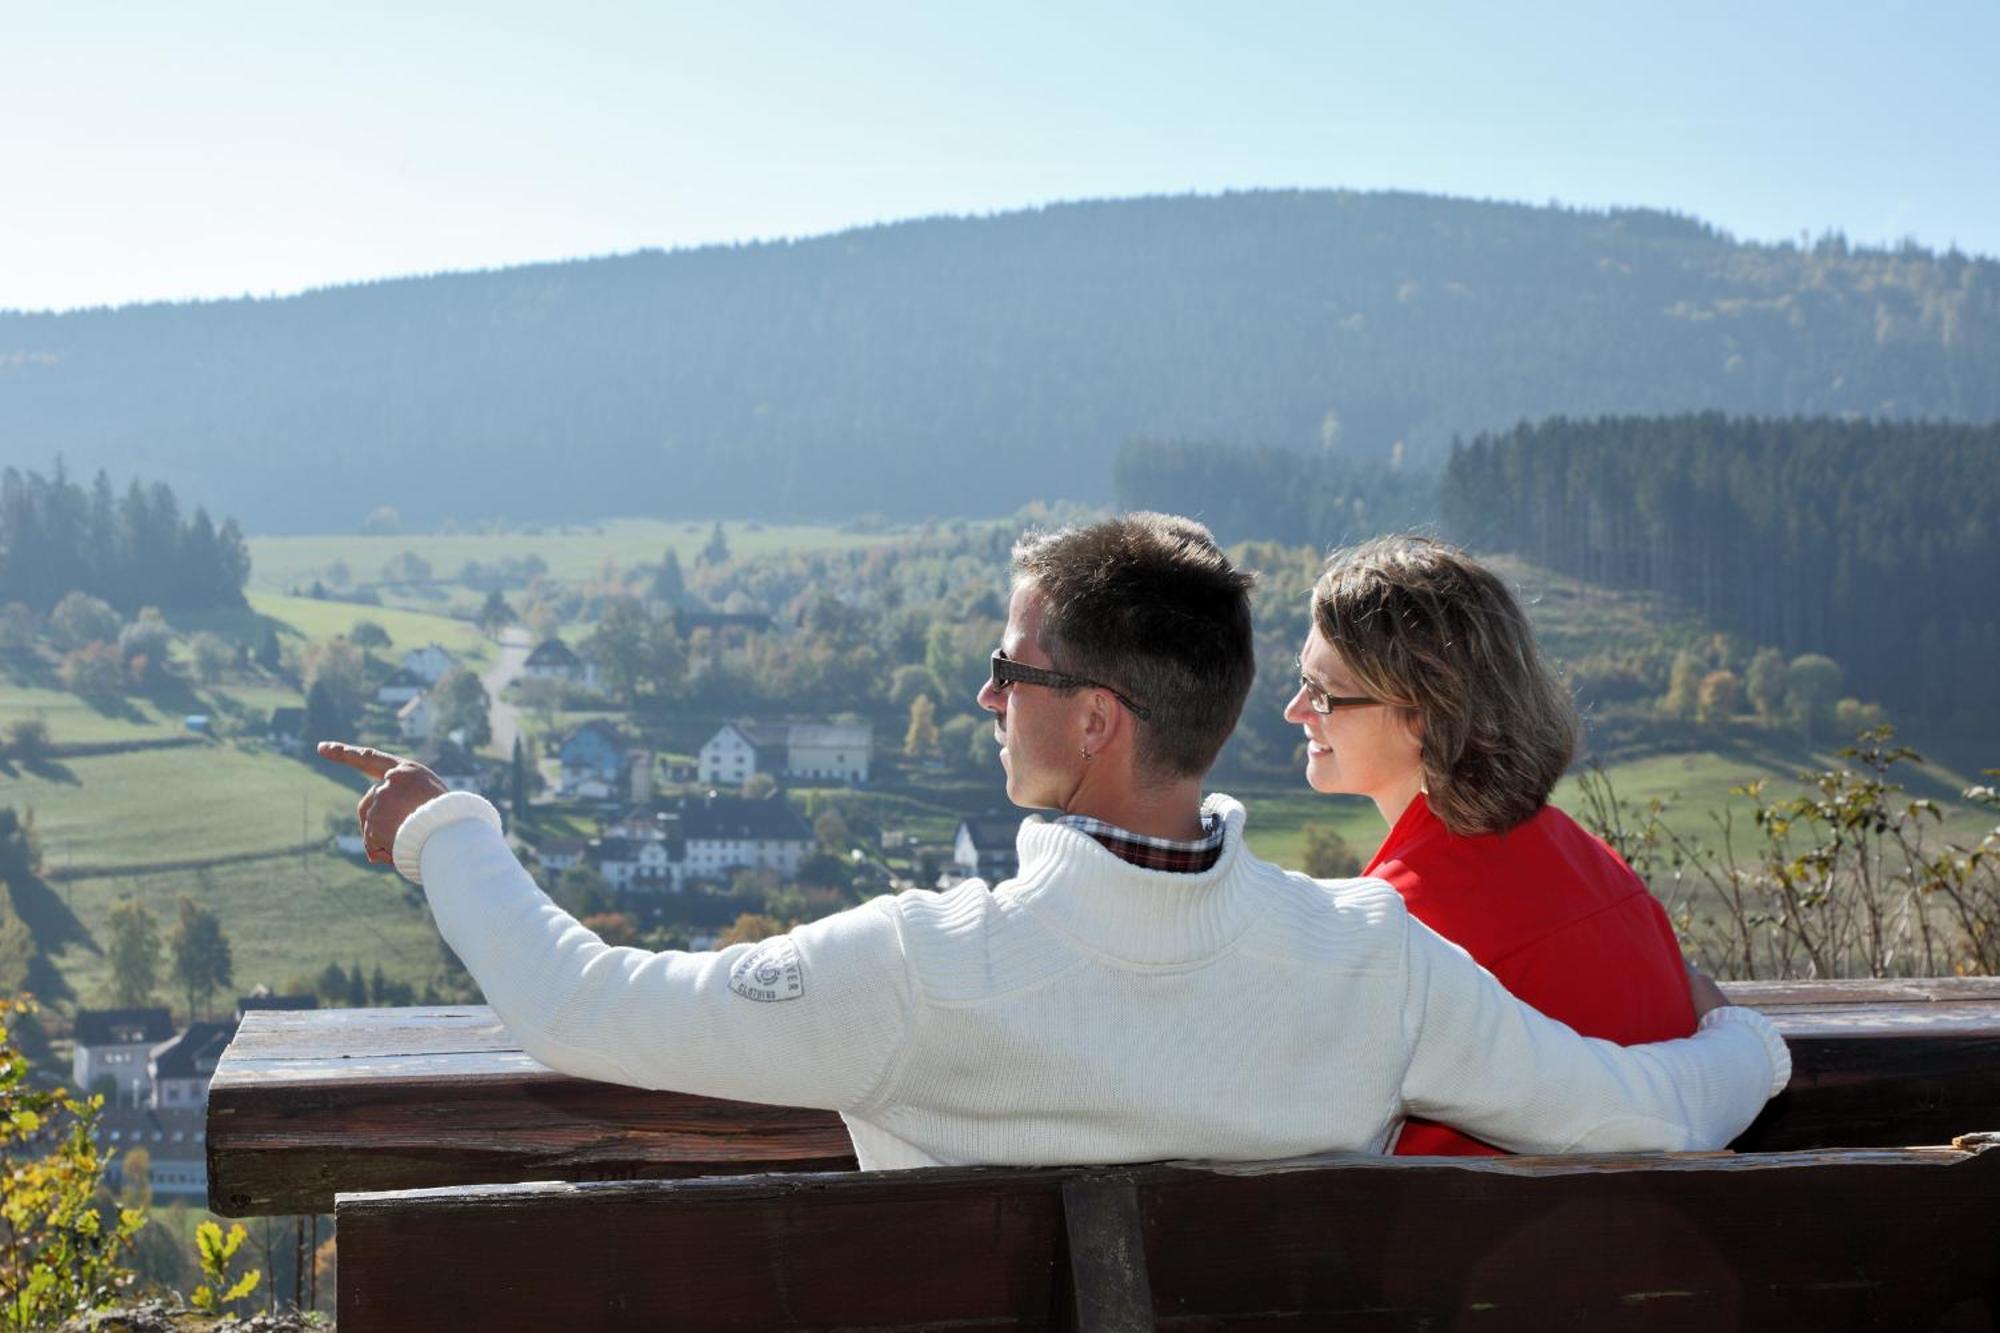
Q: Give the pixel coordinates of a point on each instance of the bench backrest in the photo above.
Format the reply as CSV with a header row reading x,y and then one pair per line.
x,y
308,1104
1905,1239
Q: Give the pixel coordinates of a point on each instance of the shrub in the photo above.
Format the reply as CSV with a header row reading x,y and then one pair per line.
x,y
64,1248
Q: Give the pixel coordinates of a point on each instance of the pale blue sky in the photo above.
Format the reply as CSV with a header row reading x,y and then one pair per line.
x,y
152,151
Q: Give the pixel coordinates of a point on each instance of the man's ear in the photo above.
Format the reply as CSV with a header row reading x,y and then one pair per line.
x,y
1102,721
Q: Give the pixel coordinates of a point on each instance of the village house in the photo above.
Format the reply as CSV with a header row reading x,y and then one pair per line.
x,y
417,719
429,663
114,1045
702,838
984,848
553,659
835,752
402,686
722,833
559,854
287,732
170,1122
182,1066
453,764
175,1141
656,865
830,752
593,758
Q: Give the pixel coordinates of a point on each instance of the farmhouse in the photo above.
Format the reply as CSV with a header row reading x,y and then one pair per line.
x,y
723,833
175,1140
454,765
429,663
553,659
702,838
983,848
646,864
115,1044
837,752
287,731
417,718
561,853
402,686
181,1067
593,757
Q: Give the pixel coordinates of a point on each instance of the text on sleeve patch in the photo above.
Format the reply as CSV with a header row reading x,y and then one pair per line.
x,y
770,972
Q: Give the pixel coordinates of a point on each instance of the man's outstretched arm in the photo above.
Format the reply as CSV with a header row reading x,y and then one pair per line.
x,y
1488,1064
813,1018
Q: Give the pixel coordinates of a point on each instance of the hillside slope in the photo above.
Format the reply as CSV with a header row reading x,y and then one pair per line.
x,y
968,365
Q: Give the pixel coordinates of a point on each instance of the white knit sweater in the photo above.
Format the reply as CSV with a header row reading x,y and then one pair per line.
x,y
1085,1011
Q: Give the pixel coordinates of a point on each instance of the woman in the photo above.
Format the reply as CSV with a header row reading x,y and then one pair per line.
x,y
1422,689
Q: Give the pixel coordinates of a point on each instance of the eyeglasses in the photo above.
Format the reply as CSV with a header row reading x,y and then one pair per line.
x,y
1320,701
1006,671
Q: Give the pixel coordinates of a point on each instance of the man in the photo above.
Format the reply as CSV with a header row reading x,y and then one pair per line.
x,y
1144,989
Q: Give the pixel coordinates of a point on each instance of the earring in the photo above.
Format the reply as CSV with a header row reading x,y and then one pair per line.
x,y
1086,752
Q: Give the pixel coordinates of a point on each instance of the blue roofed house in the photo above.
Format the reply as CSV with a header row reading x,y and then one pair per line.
x,y
593,760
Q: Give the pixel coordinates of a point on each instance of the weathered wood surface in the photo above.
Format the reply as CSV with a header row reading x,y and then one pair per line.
x,y
305,1104
309,1104
1850,1239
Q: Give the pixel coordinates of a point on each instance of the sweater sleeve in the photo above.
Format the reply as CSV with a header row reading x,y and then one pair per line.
x,y
812,1018
1484,1062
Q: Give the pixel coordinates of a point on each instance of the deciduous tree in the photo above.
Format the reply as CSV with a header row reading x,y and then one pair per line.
x,y
1328,856
80,619
463,708
134,953
920,741
203,961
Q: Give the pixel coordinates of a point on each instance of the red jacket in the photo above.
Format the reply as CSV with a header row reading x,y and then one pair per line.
x,y
1556,916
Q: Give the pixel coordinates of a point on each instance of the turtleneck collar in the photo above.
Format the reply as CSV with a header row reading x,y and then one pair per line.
x,y
1154,918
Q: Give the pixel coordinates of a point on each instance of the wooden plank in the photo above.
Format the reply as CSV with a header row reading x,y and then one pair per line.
x,y
306,1104
1878,990
1806,1241
1109,1288
1876,1238
851,1250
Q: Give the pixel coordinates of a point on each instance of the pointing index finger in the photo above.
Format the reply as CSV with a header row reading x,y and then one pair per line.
x,y
374,763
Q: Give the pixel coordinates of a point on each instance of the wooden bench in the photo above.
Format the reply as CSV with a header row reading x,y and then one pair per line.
x,y
1882,1238
306,1105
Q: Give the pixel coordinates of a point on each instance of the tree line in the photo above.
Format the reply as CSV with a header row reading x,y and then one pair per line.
x,y
1318,498
799,378
131,551
1870,542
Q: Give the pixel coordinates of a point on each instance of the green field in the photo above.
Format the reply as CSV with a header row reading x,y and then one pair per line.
x,y
71,720
286,920
303,619
279,564
171,805
287,914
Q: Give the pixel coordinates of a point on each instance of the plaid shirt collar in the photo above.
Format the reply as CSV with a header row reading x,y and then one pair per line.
x,y
1189,857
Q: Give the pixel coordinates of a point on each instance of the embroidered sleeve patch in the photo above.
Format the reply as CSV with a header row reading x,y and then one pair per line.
x,y
770,972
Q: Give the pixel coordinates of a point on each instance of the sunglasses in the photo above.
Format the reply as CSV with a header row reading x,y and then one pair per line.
x,y
1006,671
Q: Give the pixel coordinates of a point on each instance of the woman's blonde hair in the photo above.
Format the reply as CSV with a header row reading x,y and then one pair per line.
x,y
1424,626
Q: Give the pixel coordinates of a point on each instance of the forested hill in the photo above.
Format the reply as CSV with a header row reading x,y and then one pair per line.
x,y
967,365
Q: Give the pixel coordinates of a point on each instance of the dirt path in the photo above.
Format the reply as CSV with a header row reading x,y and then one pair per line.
x,y
515,645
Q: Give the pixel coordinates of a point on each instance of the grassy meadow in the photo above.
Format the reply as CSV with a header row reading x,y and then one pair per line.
x,y
572,552
286,919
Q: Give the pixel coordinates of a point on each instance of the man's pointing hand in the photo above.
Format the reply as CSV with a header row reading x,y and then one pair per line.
x,y
401,785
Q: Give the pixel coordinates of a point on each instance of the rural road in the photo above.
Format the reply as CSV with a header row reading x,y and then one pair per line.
x,y
515,645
